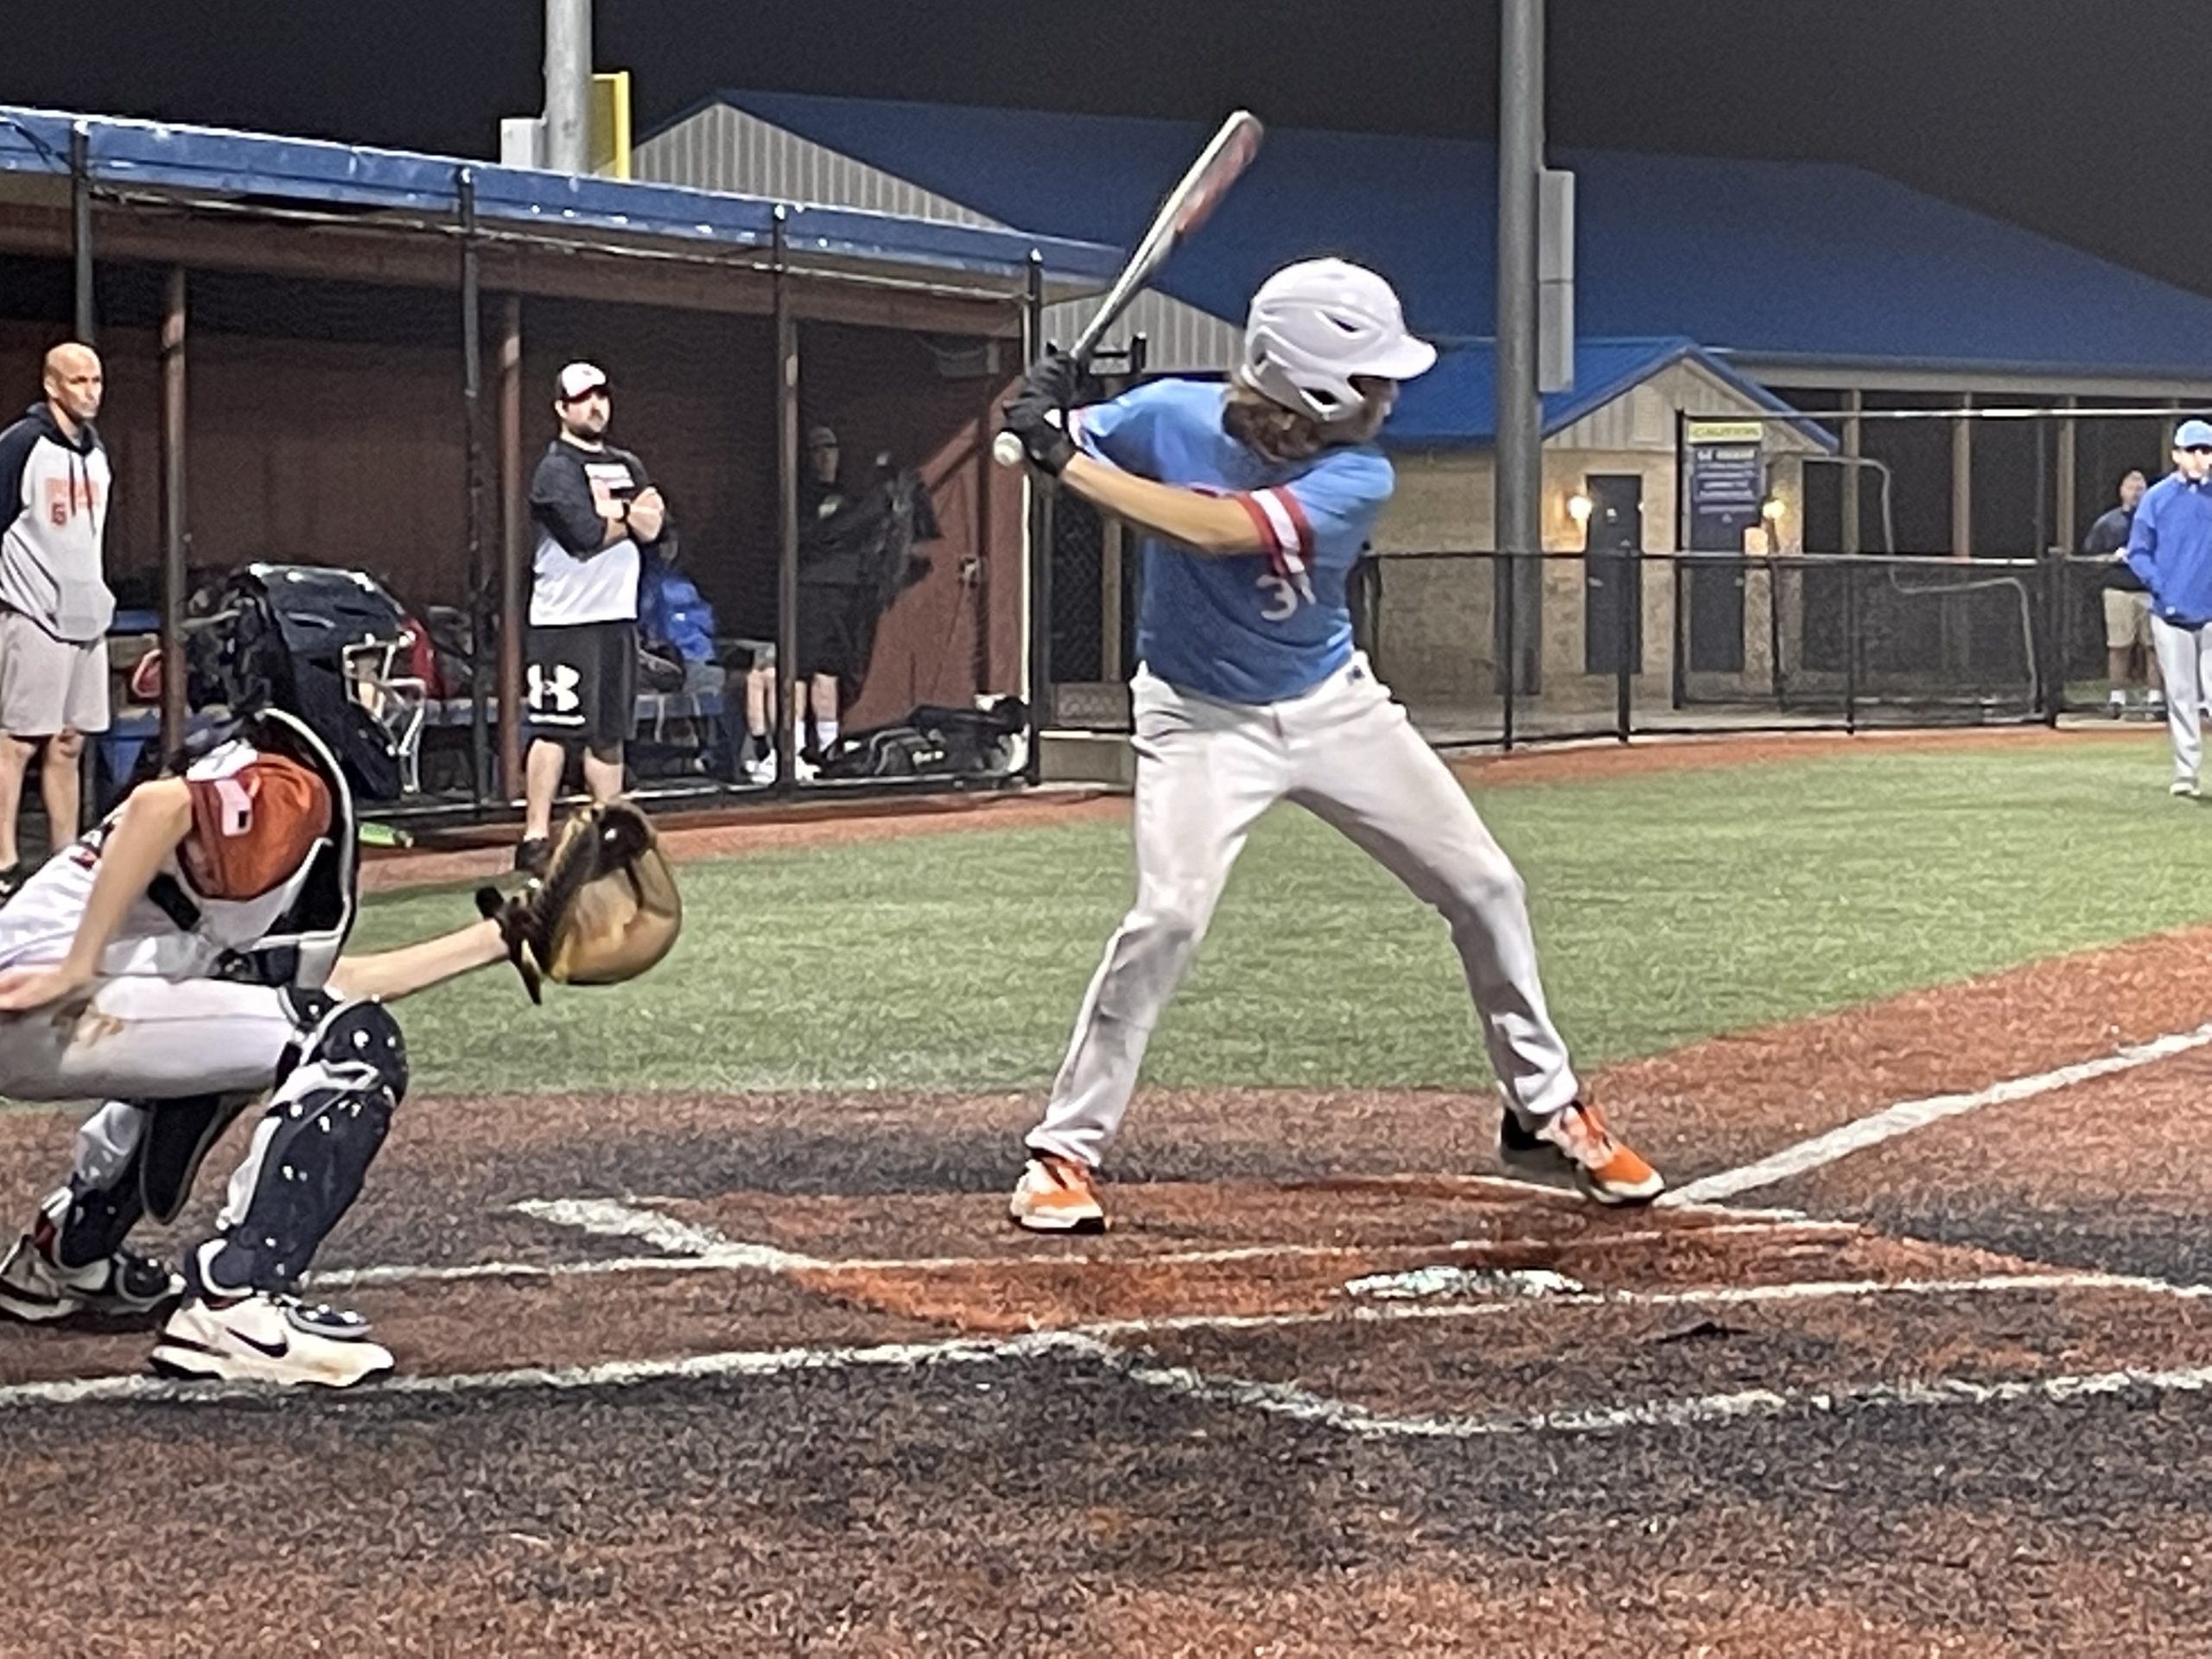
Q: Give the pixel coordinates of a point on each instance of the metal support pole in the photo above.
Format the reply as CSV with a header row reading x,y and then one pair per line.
x,y
2070,481
1682,480
1684,624
1520,419
2063,542
1629,570
87,332
80,228
1952,631
1963,486
1851,634
472,399
1038,520
1111,551
514,525
1511,581
175,539
568,85
2048,633
1854,437
1773,586
788,689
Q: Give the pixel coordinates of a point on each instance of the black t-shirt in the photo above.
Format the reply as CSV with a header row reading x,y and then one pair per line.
x,y
827,558
2107,536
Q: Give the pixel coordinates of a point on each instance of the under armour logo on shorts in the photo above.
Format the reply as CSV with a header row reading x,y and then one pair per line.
x,y
558,689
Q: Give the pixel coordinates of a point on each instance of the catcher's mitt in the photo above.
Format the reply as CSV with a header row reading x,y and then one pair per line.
x,y
606,910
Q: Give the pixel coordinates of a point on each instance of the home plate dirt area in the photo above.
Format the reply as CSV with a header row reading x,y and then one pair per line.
x,y
1917,1359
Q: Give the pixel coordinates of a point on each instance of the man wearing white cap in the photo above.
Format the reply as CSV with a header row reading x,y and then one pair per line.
x,y
595,508
2170,549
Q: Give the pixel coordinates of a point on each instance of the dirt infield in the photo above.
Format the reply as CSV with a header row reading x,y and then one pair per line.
x,y
1609,758
770,1374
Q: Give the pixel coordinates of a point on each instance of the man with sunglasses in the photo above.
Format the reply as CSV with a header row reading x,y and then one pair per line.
x,y
2170,549
594,509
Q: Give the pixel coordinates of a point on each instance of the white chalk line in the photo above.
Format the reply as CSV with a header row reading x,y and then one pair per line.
x,y
1095,1342
1301,1405
1714,1296
1907,1115
694,1249
612,1374
610,1219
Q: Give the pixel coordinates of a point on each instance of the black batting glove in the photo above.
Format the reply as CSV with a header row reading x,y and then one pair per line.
x,y
1055,375
1033,414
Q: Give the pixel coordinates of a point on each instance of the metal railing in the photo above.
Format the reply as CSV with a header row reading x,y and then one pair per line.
x,y
1501,650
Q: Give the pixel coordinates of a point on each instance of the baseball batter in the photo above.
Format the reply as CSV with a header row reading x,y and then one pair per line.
x,y
1255,500
178,961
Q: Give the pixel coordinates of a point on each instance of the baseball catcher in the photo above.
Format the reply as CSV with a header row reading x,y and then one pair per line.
x,y
184,961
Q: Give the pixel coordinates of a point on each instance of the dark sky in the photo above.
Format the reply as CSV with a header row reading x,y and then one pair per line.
x,y
2072,117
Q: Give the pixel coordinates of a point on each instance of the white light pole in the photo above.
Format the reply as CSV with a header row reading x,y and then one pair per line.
x,y
568,85
1519,459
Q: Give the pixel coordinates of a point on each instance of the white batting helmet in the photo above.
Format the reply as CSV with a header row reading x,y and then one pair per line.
x,y
1315,325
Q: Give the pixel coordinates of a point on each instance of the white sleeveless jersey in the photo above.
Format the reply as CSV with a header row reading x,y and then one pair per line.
x,y
39,923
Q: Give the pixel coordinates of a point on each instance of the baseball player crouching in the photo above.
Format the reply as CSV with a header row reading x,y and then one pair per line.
x,y
1255,501
178,961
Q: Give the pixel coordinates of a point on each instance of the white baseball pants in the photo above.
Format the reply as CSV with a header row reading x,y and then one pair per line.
x,y
2186,664
1207,770
147,1039
138,1041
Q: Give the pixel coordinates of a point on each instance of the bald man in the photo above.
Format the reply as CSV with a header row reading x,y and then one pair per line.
x,y
55,602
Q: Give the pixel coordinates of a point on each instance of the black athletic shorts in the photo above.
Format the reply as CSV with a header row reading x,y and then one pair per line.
x,y
581,683
830,622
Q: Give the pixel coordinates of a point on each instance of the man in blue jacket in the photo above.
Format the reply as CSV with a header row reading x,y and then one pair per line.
x,y
2170,549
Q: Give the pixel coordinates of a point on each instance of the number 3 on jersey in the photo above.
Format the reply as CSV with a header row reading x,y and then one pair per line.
x,y
1282,599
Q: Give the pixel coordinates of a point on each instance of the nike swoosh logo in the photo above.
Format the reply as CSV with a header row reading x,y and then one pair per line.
x,y
275,1350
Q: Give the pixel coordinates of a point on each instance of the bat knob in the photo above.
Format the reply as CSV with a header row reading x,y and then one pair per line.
x,y
1006,450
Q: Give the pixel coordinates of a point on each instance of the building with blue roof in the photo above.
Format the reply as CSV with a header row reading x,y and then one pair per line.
x,y
1836,311
1795,271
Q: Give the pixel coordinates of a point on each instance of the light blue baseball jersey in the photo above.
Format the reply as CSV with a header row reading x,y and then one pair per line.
x,y
1254,627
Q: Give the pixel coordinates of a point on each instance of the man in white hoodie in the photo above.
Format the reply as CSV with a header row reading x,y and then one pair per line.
x,y
55,602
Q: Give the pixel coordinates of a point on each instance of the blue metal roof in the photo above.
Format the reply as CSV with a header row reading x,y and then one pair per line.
x,y
308,173
1455,404
1770,260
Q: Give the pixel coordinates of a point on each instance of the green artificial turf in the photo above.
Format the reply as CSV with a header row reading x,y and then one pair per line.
x,y
1670,906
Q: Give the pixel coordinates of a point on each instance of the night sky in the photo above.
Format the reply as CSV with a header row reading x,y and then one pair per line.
x,y
2082,121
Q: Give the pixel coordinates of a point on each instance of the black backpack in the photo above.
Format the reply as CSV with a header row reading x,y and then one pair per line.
x,y
932,741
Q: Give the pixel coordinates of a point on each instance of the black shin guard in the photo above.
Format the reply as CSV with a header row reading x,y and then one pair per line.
x,y
83,1223
310,1153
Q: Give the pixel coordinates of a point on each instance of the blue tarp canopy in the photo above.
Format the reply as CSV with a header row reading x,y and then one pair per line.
x,y
307,174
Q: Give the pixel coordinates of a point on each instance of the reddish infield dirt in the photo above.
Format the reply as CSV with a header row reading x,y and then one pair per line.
x,y
691,836
1002,1496
1604,758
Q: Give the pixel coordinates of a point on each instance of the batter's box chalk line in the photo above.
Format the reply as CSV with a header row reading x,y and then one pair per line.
x,y
1091,1345
1906,1115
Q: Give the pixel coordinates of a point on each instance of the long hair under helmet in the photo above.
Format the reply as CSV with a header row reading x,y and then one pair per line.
x,y
1315,326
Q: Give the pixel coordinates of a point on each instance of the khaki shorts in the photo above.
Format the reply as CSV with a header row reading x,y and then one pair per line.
x,y
2127,620
49,685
